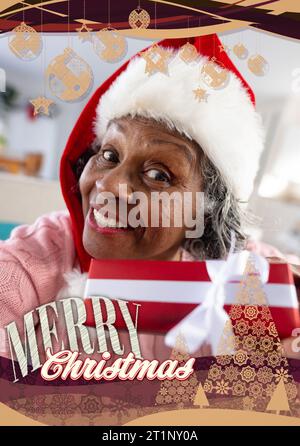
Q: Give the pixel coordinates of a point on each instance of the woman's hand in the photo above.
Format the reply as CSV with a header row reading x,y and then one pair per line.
x,y
288,343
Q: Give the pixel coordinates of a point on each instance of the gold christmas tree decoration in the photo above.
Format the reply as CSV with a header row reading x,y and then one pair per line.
x,y
214,75
240,51
85,33
258,65
176,392
200,398
157,59
188,52
41,105
279,401
25,42
201,95
248,375
70,77
110,45
139,18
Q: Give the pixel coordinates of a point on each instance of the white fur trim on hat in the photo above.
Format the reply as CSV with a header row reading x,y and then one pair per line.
x,y
227,127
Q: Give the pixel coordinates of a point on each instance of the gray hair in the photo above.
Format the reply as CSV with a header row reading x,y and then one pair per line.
x,y
222,215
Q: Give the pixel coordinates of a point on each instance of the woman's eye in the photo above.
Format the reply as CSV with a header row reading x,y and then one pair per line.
x,y
158,175
110,155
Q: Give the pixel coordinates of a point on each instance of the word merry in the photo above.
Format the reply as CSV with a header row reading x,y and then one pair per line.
x,y
72,315
65,364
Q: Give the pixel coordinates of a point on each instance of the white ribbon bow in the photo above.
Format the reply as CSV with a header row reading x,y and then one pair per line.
x,y
207,321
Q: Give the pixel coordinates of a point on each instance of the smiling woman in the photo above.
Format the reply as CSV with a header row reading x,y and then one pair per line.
x,y
131,154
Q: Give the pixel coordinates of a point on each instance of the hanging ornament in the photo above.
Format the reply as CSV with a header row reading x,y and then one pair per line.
x,y
41,105
139,18
109,45
85,33
240,51
25,42
156,59
200,94
188,53
214,74
70,77
258,65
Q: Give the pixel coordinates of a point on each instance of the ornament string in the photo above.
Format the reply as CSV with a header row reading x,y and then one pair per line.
x,y
108,14
69,36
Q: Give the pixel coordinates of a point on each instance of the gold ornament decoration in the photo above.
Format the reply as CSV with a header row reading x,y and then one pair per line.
x,y
156,59
139,18
25,42
201,95
188,52
41,105
258,65
70,78
214,75
85,33
110,45
240,51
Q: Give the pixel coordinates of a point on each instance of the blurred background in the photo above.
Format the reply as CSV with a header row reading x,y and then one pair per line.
x,y
31,145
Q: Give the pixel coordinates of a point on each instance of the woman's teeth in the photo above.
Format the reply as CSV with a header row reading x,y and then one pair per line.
x,y
106,222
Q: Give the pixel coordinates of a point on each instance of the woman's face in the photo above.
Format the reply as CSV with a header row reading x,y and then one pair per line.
x,y
146,157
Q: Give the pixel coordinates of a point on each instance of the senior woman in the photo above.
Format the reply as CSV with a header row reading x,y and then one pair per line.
x,y
148,128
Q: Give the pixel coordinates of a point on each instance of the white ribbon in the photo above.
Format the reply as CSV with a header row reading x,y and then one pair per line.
x,y
207,321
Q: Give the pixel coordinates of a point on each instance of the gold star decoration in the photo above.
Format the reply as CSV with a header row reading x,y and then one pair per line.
x,y
156,59
84,33
221,48
201,95
41,105
224,48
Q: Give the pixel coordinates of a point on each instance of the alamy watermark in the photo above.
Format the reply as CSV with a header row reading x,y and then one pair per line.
x,y
163,209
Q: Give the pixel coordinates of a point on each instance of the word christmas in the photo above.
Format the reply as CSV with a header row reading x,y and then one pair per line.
x,y
66,364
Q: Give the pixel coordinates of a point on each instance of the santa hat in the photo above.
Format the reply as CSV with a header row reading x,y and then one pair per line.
x,y
225,123
227,126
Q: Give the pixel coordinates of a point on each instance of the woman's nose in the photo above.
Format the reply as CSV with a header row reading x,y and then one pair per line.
x,y
117,181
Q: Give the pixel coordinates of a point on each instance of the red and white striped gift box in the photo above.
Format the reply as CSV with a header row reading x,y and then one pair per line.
x,y
169,290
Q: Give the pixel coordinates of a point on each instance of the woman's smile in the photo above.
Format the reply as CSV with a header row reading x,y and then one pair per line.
x,y
106,225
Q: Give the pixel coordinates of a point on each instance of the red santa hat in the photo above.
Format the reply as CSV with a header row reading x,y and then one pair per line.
x,y
226,126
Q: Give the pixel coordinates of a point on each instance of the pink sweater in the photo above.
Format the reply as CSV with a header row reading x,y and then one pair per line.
x,y
32,264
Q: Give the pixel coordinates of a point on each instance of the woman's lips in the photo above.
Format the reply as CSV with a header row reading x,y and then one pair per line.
x,y
101,224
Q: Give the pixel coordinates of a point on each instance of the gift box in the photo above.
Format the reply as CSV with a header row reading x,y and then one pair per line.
x,y
168,291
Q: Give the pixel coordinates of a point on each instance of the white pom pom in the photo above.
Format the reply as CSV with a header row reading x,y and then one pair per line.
x,y
75,284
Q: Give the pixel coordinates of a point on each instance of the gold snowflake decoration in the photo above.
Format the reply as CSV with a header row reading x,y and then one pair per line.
x,y
157,59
